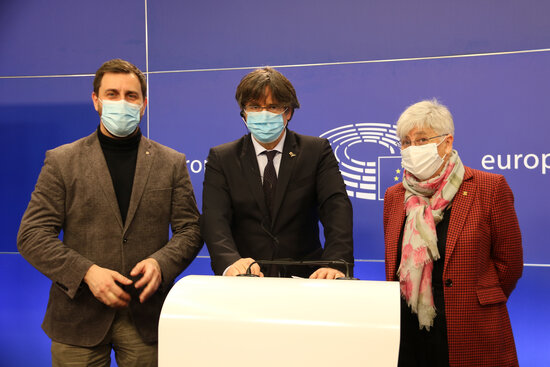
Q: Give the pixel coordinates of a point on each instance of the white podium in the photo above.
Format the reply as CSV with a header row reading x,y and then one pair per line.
x,y
246,321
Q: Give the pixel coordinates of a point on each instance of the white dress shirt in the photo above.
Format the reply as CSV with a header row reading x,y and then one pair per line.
x,y
262,158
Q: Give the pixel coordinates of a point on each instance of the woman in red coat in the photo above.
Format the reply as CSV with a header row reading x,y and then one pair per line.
x,y
453,242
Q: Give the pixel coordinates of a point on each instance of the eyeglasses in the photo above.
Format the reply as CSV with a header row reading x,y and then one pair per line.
x,y
422,141
273,108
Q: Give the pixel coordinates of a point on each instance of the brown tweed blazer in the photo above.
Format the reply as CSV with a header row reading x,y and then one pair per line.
x,y
74,194
483,262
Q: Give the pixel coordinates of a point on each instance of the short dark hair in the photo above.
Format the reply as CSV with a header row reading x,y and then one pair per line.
x,y
252,88
119,66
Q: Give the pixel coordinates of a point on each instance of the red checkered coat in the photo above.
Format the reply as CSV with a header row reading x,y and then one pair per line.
x,y
483,262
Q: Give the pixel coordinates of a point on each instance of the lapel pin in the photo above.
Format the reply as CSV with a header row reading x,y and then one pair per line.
x,y
465,193
292,155
147,152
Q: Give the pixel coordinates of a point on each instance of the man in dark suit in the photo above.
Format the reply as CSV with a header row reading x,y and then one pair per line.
x,y
115,195
265,193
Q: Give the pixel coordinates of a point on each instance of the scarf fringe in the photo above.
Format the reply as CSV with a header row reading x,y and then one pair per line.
x,y
426,316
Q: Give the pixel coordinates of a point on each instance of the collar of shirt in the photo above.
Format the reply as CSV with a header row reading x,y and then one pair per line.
x,y
262,158
259,149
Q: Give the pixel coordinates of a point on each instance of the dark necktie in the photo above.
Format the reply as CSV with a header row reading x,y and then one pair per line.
x,y
270,179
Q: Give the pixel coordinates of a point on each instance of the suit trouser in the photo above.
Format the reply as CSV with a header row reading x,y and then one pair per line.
x,y
123,338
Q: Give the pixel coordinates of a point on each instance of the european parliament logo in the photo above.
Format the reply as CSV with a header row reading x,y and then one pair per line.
x,y
369,158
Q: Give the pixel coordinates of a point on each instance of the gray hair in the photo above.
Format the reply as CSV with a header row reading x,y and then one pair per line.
x,y
426,114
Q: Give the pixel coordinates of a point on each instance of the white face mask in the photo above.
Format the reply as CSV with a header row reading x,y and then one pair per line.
x,y
422,160
120,118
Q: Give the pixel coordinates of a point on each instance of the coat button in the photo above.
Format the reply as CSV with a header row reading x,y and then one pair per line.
x,y
124,240
449,283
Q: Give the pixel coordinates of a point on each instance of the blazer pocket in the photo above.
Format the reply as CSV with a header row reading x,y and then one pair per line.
x,y
489,296
158,189
158,195
157,202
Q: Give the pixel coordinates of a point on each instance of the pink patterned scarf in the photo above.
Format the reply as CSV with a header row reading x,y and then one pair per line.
x,y
425,202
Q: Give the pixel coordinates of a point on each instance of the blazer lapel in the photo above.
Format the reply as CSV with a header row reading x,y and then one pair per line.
x,y
251,172
461,205
100,171
395,226
289,158
145,157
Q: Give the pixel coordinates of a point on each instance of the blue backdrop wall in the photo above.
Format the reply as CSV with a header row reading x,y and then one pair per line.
x,y
356,65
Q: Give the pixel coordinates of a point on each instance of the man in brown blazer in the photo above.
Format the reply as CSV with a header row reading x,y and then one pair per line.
x,y
114,194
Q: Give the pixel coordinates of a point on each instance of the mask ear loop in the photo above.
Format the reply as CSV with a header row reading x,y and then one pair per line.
x,y
441,142
244,121
445,138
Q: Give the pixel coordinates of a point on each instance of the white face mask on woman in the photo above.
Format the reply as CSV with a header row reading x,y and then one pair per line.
x,y
422,160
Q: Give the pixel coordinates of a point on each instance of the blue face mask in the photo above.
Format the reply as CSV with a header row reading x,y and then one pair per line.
x,y
265,126
120,118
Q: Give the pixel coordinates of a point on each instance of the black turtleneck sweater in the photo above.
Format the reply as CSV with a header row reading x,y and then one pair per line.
x,y
121,158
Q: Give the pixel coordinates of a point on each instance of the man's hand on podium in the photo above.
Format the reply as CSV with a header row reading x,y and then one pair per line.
x,y
240,266
326,273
